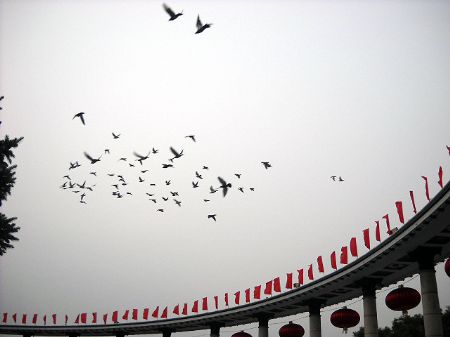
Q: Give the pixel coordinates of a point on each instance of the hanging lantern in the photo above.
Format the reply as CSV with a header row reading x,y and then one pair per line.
x,y
291,330
447,267
344,318
241,334
403,299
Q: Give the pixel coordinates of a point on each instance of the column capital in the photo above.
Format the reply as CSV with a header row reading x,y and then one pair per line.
x,y
425,257
314,306
166,332
369,286
215,328
263,319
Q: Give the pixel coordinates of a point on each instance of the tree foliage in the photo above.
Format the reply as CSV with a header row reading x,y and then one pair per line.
x,y
7,180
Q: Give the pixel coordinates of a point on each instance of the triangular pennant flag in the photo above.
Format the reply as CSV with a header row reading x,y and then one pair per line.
x,y
195,306
54,319
145,313
83,317
411,195
388,223
333,260
377,231
176,310
310,272
300,276
440,181
14,318
257,292
45,319
66,318
205,303
115,316
320,264
353,247
105,318
268,288
399,206
226,299
366,234
289,282
344,255
125,315
185,309
24,318
155,312
35,317
135,314
237,297
5,317
94,318
164,313
216,302
427,191
247,295
77,320
277,285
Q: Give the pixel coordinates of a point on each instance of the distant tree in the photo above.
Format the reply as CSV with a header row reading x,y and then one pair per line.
x,y
7,180
385,332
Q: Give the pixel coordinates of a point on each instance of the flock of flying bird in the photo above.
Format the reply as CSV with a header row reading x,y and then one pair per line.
x,y
120,184
173,16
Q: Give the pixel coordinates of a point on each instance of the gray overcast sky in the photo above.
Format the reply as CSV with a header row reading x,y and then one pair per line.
x,y
318,88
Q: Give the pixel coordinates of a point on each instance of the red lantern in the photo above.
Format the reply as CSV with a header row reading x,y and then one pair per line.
x,y
241,334
291,330
344,318
447,267
402,299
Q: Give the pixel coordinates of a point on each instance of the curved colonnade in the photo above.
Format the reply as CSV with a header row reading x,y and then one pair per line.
x,y
414,249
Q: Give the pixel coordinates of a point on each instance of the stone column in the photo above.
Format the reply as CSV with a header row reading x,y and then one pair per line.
x,y
263,329
215,331
315,327
166,333
432,317
370,311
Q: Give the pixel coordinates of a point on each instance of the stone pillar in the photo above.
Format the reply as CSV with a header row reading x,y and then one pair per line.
x,y
370,311
432,317
166,333
263,329
315,327
215,331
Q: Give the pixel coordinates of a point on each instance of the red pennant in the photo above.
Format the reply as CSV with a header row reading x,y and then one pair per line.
x,y
226,299
145,313
14,317
388,224
289,282
237,297
377,231
353,247
257,292
195,306
185,309
105,318
344,255
427,191
94,318
66,318
440,173
24,318
45,319
77,320
216,302
247,295
300,276
125,315
134,315
83,317
366,234
54,319
277,285
5,317
115,316
164,313
411,195
205,303
268,289
310,272
333,260
320,264
35,317
155,312
176,310
399,206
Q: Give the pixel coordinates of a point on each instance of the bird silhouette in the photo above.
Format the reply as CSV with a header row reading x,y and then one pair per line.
x,y
167,182
83,202
333,177
266,164
83,185
172,14
93,160
340,178
131,165
111,174
149,194
141,180
63,186
177,202
167,165
252,189
122,159
212,216
115,136
160,210
176,153
165,198
212,190
201,27
74,165
82,196
154,200
154,151
238,175
116,186
93,173
205,167
141,158
198,175
80,115
192,137
66,176
174,194
106,151
129,193
241,189
195,185
224,186
71,185
143,171
205,200
89,188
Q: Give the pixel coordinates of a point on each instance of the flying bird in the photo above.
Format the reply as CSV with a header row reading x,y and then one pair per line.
x,y
122,159
165,198
111,174
241,189
66,176
172,14
212,190
252,189
154,151
212,216
224,186
177,202
192,137
167,182
80,115
205,167
160,210
82,196
115,136
205,200
340,178
238,175
83,202
141,180
106,151
195,185
198,175
93,173
167,165
83,185
333,177
149,194
266,164
201,27
143,171
93,160
174,194
141,157
154,200
176,153
131,165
